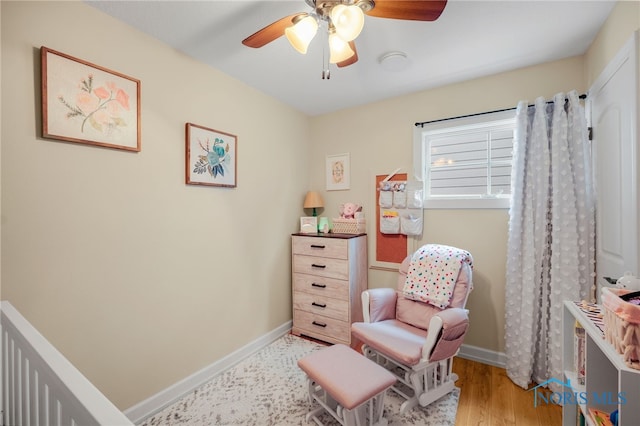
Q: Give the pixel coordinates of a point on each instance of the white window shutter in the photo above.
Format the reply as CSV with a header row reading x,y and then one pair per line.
x,y
468,159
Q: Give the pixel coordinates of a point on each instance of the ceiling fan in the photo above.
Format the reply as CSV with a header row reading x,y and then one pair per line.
x,y
342,21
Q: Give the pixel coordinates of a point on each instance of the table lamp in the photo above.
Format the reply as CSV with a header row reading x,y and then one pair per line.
x,y
313,200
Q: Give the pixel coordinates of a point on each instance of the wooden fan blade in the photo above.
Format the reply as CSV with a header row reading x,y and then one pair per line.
x,y
352,59
270,32
416,10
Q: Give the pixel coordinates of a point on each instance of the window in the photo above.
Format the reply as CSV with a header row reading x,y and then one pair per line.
x,y
466,162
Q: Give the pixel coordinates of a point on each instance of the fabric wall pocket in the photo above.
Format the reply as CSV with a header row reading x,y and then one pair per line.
x,y
389,222
411,222
399,199
386,199
414,195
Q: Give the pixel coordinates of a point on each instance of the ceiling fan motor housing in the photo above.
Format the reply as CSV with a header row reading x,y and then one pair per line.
x,y
323,7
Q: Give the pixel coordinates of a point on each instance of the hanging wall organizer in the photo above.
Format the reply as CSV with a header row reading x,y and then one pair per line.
x,y
400,203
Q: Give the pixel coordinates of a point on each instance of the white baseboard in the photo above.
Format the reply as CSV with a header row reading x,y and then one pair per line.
x,y
485,356
166,397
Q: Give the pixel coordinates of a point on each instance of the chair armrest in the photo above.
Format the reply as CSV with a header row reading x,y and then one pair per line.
x,y
379,304
454,319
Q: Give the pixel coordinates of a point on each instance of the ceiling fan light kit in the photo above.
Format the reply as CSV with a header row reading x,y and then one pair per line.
x,y
342,21
339,50
348,21
302,32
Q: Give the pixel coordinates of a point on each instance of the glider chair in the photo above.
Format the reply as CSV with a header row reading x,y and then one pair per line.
x,y
404,332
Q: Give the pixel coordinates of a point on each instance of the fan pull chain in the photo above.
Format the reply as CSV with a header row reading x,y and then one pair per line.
x,y
326,72
326,52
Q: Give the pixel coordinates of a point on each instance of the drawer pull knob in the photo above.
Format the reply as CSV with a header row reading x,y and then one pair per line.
x,y
319,324
315,265
318,285
320,305
317,246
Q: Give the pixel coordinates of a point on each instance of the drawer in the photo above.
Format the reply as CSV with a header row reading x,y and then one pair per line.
x,y
335,248
326,306
319,325
321,286
321,266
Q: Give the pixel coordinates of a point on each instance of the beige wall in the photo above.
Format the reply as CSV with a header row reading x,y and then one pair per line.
x,y
622,22
379,139
122,266
139,279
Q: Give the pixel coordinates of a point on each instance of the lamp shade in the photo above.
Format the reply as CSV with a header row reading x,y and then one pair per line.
x,y
339,50
301,34
313,200
348,21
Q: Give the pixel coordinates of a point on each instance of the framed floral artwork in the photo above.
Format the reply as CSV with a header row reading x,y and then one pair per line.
x,y
211,157
87,103
337,172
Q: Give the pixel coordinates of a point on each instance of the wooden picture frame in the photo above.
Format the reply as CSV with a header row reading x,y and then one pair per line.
x,y
337,172
211,157
89,104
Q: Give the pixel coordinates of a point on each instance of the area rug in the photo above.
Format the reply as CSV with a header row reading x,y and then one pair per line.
x,y
268,388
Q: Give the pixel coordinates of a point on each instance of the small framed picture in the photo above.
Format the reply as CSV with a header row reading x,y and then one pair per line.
x,y
308,225
337,172
211,157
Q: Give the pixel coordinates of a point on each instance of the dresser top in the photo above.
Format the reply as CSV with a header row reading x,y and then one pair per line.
x,y
328,235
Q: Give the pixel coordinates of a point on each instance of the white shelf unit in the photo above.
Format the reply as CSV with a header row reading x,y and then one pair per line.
x,y
606,374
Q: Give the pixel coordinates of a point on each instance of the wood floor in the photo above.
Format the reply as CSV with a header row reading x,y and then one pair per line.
x,y
489,398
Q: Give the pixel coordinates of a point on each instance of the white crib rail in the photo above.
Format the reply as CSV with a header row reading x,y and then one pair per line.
x,y
41,387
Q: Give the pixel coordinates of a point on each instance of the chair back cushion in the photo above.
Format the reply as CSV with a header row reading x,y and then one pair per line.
x,y
418,313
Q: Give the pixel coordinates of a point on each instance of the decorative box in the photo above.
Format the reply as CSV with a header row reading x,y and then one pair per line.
x,y
622,325
349,226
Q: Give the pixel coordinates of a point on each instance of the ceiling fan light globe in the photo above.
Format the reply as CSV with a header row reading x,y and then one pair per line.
x,y
301,34
339,50
348,21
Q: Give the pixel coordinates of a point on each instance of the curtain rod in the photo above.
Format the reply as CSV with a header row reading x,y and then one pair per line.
x,y
421,124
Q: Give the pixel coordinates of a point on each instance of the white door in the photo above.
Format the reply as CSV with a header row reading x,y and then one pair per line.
x,y
614,108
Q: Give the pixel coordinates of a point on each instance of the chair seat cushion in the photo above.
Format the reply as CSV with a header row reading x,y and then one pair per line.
x,y
392,338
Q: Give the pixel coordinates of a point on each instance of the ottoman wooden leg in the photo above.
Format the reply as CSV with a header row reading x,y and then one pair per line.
x,y
369,413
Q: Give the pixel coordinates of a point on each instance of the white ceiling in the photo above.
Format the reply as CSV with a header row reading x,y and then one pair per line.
x,y
470,39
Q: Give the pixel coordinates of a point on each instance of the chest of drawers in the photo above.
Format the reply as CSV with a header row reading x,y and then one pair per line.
x,y
329,272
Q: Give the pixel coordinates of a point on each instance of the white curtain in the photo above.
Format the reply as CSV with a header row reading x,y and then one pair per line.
x,y
551,244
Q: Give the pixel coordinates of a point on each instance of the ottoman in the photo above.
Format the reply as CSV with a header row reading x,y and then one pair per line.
x,y
346,385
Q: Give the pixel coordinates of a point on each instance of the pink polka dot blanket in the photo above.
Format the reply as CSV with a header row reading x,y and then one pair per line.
x,y
433,273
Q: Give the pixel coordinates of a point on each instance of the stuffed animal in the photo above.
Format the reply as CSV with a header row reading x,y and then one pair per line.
x,y
348,210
